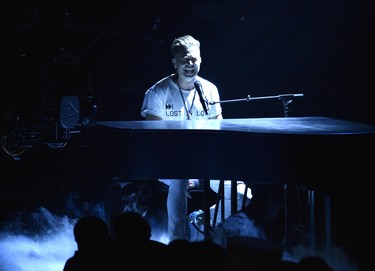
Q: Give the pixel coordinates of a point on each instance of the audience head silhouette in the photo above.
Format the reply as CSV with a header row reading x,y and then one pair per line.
x,y
312,263
89,232
131,235
130,227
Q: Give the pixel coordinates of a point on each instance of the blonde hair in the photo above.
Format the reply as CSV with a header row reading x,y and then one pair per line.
x,y
183,42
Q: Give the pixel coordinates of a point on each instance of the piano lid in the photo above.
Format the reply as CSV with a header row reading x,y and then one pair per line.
x,y
289,125
309,150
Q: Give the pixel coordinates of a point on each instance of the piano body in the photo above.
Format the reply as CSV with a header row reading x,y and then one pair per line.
x,y
314,151
308,150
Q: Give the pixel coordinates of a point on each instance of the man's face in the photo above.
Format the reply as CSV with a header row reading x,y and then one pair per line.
x,y
188,62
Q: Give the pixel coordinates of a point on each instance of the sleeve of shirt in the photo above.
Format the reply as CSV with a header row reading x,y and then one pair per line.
x,y
215,109
152,103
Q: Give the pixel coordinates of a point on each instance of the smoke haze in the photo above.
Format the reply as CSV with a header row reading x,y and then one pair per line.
x,y
41,240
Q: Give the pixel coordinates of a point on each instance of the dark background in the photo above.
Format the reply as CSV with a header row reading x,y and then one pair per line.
x,y
109,52
323,49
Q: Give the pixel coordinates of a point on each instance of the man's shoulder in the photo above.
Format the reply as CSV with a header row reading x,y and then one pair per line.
x,y
163,83
162,86
206,83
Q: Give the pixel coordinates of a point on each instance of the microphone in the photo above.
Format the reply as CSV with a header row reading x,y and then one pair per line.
x,y
198,87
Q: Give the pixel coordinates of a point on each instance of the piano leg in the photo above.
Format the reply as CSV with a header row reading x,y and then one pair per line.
x,y
233,197
206,210
312,221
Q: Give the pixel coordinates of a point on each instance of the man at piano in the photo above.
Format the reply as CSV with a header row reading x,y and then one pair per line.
x,y
182,95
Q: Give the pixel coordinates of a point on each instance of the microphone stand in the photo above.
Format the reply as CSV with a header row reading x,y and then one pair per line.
x,y
286,99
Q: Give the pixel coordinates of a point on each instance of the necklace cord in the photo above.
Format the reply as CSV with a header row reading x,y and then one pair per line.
x,y
183,100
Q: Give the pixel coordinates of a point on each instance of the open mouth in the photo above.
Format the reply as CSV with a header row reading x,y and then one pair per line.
x,y
189,71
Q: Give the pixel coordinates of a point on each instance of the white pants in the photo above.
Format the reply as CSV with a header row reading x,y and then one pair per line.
x,y
177,208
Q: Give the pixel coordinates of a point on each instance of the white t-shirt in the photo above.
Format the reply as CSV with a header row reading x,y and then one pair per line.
x,y
165,100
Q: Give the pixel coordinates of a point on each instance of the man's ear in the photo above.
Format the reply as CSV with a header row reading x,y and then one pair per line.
x,y
174,63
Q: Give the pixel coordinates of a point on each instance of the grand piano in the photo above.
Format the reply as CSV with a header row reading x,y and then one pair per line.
x,y
309,150
315,151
